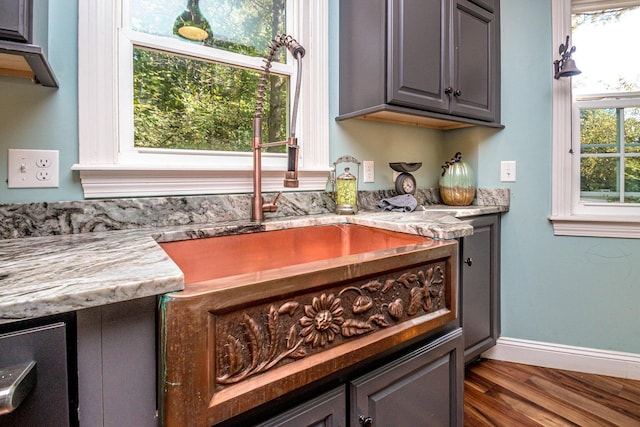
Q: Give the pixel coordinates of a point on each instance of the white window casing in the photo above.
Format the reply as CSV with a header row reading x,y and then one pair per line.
x,y
569,216
110,166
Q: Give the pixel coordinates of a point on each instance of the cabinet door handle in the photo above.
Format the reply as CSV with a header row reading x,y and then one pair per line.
x,y
468,261
365,421
457,92
448,91
16,382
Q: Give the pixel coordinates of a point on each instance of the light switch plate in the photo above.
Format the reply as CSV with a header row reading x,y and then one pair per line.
x,y
32,168
368,167
508,171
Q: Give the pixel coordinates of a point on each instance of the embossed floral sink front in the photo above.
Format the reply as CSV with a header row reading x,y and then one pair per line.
x,y
265,313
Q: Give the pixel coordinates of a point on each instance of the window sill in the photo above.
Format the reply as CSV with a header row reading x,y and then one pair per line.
x,y
127,181
596,226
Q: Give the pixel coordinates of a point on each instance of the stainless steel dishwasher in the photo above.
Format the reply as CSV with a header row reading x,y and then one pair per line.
x,y
38,372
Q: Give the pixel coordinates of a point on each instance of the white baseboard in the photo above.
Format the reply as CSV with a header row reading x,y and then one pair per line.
x,y
588,360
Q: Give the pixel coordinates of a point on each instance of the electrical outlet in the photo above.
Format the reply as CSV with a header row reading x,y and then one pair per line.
x,y
508,171
43,175
368,167
33,168
43,162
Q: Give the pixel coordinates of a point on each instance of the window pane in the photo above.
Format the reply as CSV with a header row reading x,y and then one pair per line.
x,y
599,179
184,103
632,130
242,26
598,131
632,180
603,40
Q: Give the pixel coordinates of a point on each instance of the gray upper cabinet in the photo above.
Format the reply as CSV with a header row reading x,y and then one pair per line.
x,y
418,58
474,83
434,63
17,39
15,20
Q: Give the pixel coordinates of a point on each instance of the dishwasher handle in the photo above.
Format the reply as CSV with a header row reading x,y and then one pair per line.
x,y
16,382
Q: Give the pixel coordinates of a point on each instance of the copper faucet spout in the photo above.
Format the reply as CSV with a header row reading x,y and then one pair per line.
x,y
258,206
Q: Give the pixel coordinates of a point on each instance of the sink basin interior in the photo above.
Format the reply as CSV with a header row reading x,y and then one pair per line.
x,y
216,257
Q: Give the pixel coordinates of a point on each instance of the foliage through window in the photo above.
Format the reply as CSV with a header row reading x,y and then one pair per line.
x,y
189,102
610,155
607,105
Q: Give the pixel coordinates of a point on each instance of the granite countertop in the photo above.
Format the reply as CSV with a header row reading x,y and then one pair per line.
x,y
54,274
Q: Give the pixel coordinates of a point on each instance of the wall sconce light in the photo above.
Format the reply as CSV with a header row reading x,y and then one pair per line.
x,y
191,24
565,66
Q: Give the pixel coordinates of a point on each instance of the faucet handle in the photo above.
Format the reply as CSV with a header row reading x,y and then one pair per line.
x,y
273,205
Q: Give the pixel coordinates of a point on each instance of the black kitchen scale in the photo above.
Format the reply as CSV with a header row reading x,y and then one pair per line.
x,y
405,182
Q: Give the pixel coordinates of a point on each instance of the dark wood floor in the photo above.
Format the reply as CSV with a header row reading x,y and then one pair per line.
x,y
508,394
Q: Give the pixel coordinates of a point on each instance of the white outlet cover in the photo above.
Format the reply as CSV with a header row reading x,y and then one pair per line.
x,y
508,171
33,168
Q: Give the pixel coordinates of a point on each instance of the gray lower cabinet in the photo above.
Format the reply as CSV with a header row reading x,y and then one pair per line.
x,y
326,410
423,387
117,364
490,5
480,286
37,372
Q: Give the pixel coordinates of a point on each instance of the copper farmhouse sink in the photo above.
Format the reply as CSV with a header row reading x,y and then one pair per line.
x,y
224,256
265,313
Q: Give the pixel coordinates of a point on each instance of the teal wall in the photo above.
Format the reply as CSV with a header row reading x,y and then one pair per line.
x,y
36,117
565,290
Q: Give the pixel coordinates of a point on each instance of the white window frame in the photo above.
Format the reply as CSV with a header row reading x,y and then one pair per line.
x,y
568,215
109,166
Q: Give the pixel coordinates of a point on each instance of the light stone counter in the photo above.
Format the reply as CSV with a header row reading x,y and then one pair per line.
x,y
46,275
53,274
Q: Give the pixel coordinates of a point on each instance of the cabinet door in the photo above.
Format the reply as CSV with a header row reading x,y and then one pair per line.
x,y
15,20
423,388
490,5
327,410
475,62
49,342
479,286
418,56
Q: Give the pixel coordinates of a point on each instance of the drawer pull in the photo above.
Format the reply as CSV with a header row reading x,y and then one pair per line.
x,y
468,261
16,382
365,421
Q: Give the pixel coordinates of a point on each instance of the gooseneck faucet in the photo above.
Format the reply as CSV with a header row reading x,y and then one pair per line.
x,y
258,205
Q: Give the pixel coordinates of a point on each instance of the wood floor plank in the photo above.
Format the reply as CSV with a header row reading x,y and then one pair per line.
x,y
497,412
534,412
598,388
586,404
503,375
606,384
524,394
